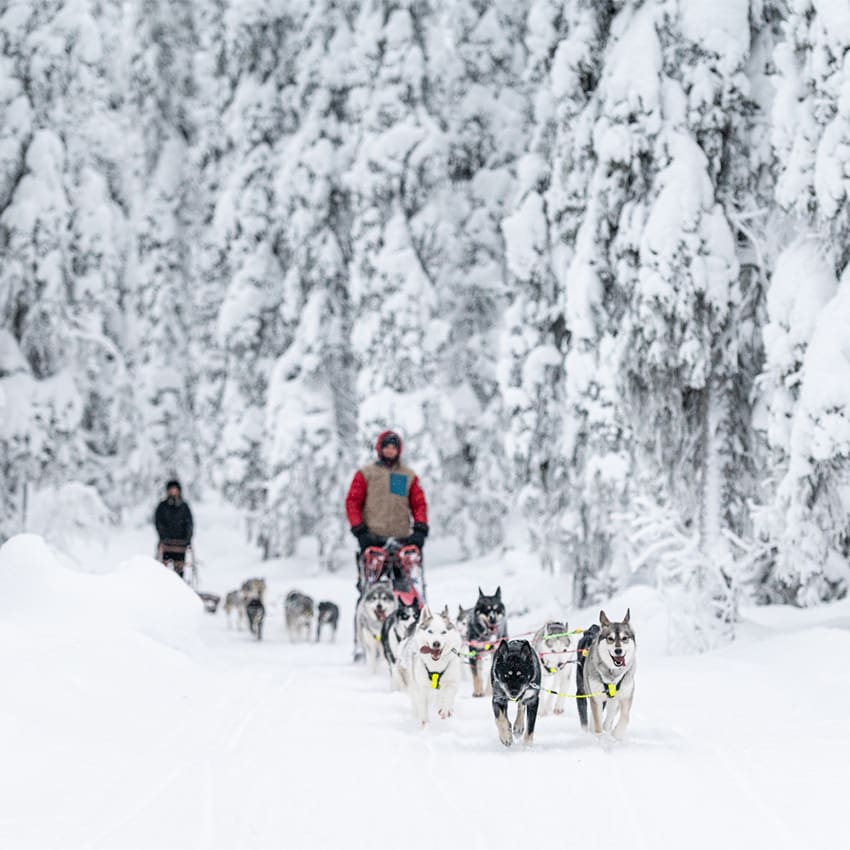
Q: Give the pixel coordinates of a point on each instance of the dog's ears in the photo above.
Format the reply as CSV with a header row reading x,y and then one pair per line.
x,y
603,620
498,593
445,613
480,591
425,616
527,649
628,614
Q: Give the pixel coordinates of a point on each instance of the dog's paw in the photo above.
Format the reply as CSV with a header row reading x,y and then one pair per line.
x,y
519,729
559,709
478,693
528,740
507,740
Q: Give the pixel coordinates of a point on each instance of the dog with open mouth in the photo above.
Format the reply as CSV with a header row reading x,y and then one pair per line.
x,y
605,675
376,604
487,628
515,676
430,664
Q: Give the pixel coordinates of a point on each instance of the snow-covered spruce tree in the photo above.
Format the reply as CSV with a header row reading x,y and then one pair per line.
x,y
398,334
476,88
258,63
65,241
685,350
596,122
160,81
311,415
806,372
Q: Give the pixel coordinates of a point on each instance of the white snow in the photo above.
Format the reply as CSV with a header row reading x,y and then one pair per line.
x,y
130,719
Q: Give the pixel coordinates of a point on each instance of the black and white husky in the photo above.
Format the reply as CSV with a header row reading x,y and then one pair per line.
x,y
516,677
328,615
488,627
552,645
606,672
256,612
430,664
376,604
397,628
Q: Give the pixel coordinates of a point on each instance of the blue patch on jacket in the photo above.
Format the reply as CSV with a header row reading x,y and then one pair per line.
x,y
398,484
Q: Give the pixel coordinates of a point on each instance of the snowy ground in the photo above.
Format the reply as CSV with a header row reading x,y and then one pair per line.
x,y
131,719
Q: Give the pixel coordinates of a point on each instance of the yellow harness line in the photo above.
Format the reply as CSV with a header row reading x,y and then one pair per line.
x,y
612,692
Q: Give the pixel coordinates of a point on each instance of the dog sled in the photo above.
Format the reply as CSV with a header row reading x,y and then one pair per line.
x,y
171,556
401,563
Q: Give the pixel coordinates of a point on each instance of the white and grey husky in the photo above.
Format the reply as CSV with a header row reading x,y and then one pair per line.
x,y
606,672
376,604
552,645
430,666
234,603
298,615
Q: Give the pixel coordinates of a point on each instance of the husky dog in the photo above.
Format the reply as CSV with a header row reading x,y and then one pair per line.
x,y
328,616
234,602
376,604
515,676
606,673
256,612
430,666
298,611
552,645
487,628
396,629
254,588
462,619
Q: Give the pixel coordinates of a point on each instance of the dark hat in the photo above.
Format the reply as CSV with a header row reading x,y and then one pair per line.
x,y
173,483
390,439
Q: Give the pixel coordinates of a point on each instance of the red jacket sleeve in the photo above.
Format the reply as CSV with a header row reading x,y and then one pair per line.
x,y
418,505
355,499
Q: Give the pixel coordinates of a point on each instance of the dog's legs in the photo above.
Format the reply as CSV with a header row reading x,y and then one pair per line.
x,y
581,703
447,700
562,683
531,711
611,709
503,725
419,699
477,689
596,715
488,691
519,723
623,720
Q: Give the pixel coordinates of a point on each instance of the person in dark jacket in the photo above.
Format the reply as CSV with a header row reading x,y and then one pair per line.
x,y
385,497
174,525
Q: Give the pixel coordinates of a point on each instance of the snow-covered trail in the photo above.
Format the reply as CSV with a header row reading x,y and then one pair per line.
x,y
275,744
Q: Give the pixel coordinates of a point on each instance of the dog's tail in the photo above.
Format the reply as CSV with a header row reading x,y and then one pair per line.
x,y
583,645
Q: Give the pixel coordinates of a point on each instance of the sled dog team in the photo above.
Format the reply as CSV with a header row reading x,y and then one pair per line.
x,y
248,602
425,652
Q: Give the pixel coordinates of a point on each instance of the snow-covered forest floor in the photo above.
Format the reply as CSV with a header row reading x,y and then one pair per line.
x,y
131,719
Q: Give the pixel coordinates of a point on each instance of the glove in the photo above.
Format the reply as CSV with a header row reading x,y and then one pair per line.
x,y
420,532
361,532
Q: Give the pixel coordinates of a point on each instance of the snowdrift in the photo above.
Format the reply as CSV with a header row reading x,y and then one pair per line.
x,y
94,668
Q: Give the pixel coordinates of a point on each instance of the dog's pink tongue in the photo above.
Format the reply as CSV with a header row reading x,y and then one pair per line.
x,y
619,660
380,614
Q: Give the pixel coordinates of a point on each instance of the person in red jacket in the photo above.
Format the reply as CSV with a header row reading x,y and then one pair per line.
x,y
385,499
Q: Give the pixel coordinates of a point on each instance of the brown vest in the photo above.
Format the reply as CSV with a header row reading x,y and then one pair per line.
x,y
387,507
